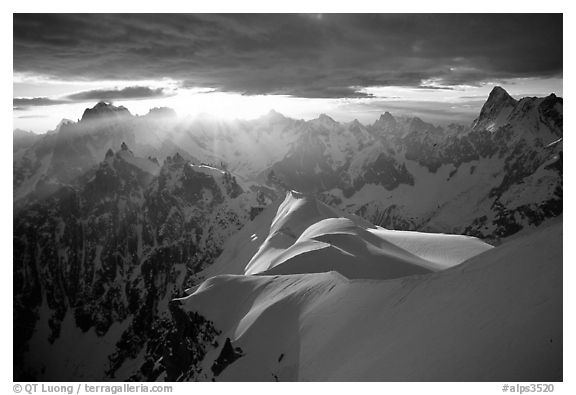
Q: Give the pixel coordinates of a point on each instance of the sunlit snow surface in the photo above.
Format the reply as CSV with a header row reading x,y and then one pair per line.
x,y
374,304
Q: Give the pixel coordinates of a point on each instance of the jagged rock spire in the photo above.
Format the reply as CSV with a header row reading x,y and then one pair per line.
x,y
498,106
497,100
104,110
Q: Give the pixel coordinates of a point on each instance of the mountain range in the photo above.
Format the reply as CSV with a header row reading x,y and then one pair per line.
x,y
280,249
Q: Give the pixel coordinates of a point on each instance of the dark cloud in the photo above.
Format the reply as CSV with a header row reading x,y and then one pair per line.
x,y
132,92
301,55
22,102
128,93
432,87
25,103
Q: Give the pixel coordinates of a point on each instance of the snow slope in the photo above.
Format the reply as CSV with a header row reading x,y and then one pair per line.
x,y
496,317
302,235
441,250
271,232
294,216
307,236
241,246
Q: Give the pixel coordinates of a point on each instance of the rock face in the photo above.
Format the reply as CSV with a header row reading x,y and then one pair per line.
x,y
398,172
103,110
114,251
115,215
496,109
499,176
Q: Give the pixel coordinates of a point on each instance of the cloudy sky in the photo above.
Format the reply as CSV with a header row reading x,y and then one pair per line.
x,y
438,67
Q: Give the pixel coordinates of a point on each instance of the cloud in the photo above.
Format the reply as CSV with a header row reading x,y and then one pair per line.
x,y
436,112
300,55
23,102
128,93
436,87
32,116
132,92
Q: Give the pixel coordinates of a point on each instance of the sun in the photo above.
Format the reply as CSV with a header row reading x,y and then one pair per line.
x,y
229,105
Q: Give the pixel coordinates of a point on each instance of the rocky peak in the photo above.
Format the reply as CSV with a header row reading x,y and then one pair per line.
x,y
161,112
500,94
323,121
125,152
109,154
387,118
274,115
64,123
326,118
104,110
386,123
551,110
418,125
356,123
552,102
175,159
497,107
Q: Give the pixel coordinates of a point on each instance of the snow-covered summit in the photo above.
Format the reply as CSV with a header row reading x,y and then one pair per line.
x,y
307,236
303,235
317,326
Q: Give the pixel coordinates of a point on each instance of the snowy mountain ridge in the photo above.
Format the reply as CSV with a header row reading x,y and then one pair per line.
x,y
333,325
134,210
401,173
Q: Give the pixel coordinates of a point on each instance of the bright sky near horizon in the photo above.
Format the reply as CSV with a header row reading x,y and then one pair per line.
x,y
438,67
